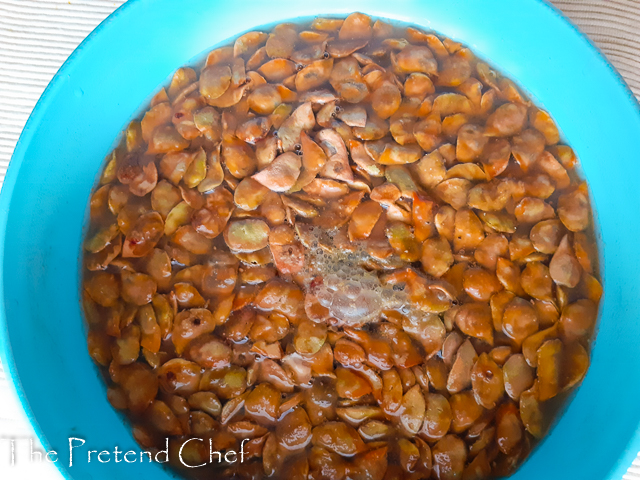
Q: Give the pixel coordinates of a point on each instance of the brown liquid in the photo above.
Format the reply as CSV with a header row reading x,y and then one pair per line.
x,y
360,274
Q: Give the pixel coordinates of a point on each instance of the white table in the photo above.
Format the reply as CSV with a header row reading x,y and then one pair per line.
x,y
36,36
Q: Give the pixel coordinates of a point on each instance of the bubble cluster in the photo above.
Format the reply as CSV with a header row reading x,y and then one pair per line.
x,y
353,295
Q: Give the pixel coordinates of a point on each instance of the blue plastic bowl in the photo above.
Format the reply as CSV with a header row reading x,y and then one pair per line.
x,y
115,70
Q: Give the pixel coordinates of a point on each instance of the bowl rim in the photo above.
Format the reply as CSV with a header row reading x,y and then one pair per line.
x,y
35,118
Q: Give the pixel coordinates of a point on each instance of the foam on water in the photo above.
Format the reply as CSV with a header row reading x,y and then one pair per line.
x,y
353,294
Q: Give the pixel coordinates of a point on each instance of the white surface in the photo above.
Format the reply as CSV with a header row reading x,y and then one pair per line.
x,y
36,36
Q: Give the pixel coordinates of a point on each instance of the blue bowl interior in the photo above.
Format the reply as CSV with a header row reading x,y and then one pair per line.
x,y
90,101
